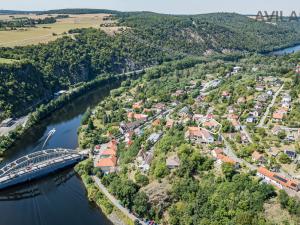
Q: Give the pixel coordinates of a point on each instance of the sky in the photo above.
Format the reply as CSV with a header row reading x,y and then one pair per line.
x,y
162,6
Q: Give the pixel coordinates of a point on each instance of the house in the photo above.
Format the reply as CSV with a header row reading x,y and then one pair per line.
x,y
108,150
153,138
277,180
216,152
184,112
156,123
277,116
260,88
237,126
159,107
211,124
173,161
291,154
125,127
7,122
258,157
198,117
137,105
221,158
107,165
144,160
286,98
170,123
199,135
276,130
262,98
136,116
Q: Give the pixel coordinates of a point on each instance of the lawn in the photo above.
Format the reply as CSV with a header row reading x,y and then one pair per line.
x,y
49,32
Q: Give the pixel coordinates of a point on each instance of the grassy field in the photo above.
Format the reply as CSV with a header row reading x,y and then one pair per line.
x,y
49,32
7,61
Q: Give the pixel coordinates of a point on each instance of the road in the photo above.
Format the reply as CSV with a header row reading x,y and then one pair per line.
x,y
115,202
19,122
263,119
229,152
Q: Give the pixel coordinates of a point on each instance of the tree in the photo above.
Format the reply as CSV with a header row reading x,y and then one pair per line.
x,y
228,170
284,158
140,204
141,179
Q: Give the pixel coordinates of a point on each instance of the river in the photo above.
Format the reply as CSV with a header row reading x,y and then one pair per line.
x,y
285,51
59,199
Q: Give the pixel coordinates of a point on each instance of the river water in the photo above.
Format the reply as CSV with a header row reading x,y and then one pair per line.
x,y
59,199
285,51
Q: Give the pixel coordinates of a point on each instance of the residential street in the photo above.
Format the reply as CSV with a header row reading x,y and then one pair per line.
x,y
264,117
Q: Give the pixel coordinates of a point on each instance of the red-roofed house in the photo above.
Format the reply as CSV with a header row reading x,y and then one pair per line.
x,y
221,158
211,124
137,105
277,180
170,123
278,116
107,165
199,135
216,152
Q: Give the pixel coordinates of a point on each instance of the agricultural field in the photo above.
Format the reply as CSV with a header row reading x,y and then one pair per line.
x,y
44,33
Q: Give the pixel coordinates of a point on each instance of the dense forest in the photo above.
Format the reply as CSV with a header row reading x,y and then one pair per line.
x,y
217,31
152,39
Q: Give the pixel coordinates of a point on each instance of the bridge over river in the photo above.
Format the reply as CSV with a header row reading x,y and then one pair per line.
x,y
38,164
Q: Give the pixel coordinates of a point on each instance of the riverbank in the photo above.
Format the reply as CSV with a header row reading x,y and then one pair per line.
x,y
96,196
6,142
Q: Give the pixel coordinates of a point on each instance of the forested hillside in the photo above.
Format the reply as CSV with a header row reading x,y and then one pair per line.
x,y
147,40
218,31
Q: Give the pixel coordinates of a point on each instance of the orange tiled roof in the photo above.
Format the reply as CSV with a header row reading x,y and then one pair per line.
x,y
225,159
111,152
210,123
278,115
107,162
279,179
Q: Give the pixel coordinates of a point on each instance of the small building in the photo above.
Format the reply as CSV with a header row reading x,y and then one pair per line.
x,y
170,123
153,138
137,105
173,161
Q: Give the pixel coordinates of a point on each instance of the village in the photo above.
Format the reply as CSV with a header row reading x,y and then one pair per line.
x,y
226,135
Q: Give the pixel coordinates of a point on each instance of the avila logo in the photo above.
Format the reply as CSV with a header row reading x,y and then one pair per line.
x,y
276,16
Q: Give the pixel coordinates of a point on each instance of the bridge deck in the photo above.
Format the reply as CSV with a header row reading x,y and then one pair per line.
x,y
37,161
